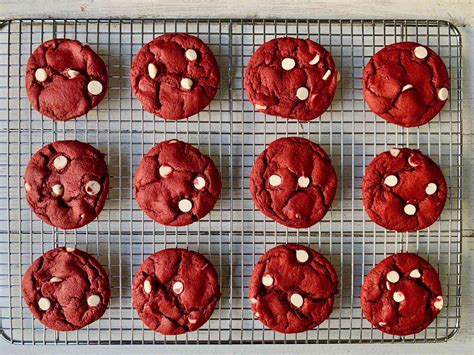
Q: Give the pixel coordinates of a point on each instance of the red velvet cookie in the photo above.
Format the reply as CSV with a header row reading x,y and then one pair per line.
x,y
67,183
403,190
292,288
176,184
291,78
401,295
406,84
175,291
175,76
66,289
293,182
65,79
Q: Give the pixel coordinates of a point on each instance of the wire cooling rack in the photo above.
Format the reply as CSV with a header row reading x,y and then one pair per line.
x,y
235,234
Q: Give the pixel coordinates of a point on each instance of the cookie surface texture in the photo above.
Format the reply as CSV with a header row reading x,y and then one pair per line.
x,y
406,84
176,184
403,190
175,291
66,184
293,182
66,289
65,79
175,76
402,294
291,78
292,288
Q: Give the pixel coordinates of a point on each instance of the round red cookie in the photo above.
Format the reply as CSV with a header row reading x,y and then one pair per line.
x,y
176,184
291,78
66,289
65,79
293,182
175,76
403,190
67,183
401,295
292,288
406,84
175,291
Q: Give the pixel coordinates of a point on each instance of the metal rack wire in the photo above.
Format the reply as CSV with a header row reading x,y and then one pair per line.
x,y
235,234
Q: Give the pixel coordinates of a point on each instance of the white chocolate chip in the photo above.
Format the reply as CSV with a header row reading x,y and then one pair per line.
x,y
92,187
393,277
394,152
199,183
315,60
387,284
296,299
93,300
41,75
431,188
382,324
438,304
44,304
186,83
253,300
415,273
72,73
27,187
94,87
302,93
302,256
303,181
192,321
421,52
60,162
326,75
70,250
412,162
178,287
152,70
338,76
147,286
55,279
173,141
288,63
398,297
267,280
274,180
260,107
407,87
257,314
409,209
391,180
443,94
165,170
190,54
185,205
58,189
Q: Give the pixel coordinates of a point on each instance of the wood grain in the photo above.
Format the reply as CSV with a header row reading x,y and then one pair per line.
x,y
458,11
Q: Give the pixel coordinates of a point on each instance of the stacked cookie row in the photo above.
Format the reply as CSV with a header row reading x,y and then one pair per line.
x,y
293,182
176,76
292,289
67,182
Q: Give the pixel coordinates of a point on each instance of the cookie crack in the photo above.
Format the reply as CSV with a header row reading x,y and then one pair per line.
x,y
256,83
394,100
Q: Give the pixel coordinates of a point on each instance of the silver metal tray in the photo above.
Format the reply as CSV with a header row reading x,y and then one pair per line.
x,y
235,234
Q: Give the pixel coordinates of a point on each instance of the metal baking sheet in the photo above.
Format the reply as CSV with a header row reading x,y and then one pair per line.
x,y
235,234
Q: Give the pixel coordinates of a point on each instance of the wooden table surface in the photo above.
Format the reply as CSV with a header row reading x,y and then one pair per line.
x,y
460,12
